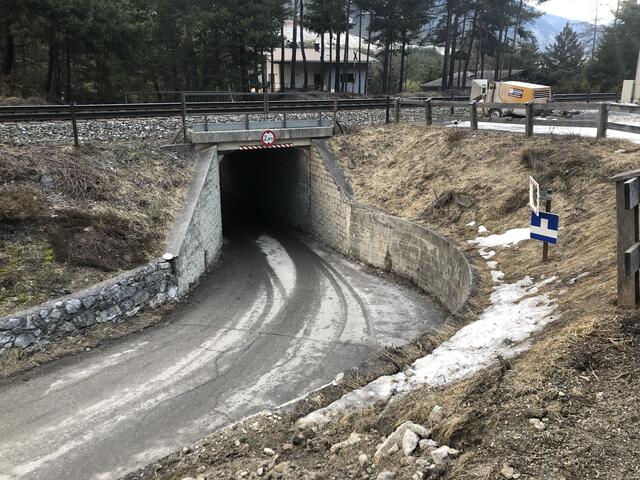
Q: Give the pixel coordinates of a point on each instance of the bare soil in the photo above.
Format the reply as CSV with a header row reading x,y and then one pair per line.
x,y
71,217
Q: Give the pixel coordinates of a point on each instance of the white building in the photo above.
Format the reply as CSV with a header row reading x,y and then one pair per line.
x,y
321,76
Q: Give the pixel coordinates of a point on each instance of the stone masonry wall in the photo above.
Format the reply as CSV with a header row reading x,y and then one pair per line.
x,y
412,251
114,300
329,210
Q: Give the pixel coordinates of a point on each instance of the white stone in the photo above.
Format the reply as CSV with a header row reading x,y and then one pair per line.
x,y
386,475
269,451
410,441
427,444
436,415
439,454
73,306
363,458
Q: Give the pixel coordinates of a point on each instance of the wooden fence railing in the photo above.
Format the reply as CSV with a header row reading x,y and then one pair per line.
x,y
600,122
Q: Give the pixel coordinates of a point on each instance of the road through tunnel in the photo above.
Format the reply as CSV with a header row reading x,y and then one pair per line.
x,y
262,187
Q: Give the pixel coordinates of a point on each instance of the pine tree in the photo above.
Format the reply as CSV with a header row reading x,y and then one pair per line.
x,y
564,59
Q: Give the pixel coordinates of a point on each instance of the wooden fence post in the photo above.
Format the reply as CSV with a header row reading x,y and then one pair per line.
x,y
429,113
396,110
602,121
74,123
528,128
627,247
184,117
474,116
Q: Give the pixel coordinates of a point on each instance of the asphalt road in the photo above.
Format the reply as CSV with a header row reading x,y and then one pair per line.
x,y
278,317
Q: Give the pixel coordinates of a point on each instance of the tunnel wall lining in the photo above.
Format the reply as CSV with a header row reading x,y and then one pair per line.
x,y
413,251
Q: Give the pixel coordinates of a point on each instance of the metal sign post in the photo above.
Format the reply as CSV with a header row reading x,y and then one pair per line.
x,y
547,208
544,224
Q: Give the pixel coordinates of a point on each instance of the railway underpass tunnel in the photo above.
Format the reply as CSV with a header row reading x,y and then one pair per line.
x,y
263,187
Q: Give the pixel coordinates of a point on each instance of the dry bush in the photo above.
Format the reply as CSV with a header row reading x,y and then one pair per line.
x,y
20,202
103,241
454,135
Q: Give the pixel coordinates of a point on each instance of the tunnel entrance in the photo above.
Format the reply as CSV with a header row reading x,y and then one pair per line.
x,y
262,187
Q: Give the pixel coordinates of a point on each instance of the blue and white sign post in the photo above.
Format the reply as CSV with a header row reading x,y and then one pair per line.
x,y
544,225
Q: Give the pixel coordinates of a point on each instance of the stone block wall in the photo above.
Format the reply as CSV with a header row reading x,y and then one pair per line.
x,y
114,300
412,251
196,239
329,206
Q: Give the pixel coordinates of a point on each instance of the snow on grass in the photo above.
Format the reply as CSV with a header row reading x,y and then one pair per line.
x,y
506,239
552,129
482,229
516,311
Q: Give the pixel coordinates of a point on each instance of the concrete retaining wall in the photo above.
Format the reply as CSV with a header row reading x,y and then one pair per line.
x,y
432,262
196,239
114,300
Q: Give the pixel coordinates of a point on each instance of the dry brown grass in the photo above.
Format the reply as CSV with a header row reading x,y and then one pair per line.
x,y
407,172
69,217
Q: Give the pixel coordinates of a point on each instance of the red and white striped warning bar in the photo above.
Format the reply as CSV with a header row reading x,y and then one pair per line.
x,y
265,147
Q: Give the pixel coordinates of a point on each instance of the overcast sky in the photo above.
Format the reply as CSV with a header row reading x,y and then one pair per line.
x,y
583,10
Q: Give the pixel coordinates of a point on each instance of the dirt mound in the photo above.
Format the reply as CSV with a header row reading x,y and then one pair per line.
x,y
72,217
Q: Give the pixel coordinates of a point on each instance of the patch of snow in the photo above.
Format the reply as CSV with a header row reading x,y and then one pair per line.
x,y
552,129
487,255
471,224
501,330
497,276
492,264
279,261
575,279
482,229
508,238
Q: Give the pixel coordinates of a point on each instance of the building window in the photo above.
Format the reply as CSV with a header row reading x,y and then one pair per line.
x,y
347,77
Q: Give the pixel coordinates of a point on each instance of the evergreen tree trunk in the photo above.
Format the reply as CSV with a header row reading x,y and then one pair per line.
x,y
366,74
336,85
282,47
515,35
305,67
294,45
346,47
360,53
322,59
402,59
452,56
447,45
472,37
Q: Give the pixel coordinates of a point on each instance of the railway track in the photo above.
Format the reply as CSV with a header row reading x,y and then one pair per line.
x,y
26,113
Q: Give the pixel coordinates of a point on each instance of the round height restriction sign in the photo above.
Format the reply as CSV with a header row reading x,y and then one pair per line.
x,y
268,137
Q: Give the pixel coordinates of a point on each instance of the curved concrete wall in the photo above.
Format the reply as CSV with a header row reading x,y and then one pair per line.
x,y
431,261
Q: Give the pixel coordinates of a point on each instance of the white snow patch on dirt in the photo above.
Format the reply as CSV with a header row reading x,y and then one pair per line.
x,y
503,330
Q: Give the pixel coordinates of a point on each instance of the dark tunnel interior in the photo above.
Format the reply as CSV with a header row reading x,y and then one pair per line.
x,y
263,187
